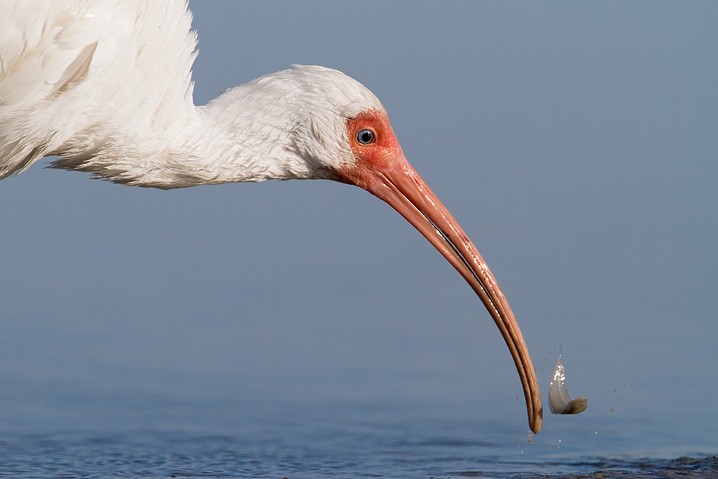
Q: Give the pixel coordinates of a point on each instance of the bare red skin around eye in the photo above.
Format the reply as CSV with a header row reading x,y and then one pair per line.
x,y
376,156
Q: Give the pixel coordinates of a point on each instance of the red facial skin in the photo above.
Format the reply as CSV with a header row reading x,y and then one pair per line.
x,y
382,169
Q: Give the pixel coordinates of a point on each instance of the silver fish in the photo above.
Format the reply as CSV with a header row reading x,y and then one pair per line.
x,y
558,399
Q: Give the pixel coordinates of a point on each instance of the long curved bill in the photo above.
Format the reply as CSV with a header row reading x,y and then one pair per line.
x,y
400,185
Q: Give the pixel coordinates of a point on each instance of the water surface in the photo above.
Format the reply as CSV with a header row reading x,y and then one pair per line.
x,y
71,435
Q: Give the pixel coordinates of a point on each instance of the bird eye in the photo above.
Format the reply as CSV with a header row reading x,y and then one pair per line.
x,y
365,137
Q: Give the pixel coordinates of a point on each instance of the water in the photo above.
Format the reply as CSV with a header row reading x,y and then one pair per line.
x,y
103,400
193,455
72,434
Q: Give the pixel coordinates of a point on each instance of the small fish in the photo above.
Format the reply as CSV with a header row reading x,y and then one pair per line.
x,y
558,399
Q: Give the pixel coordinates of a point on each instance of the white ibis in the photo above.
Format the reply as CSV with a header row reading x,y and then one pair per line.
x,y
106,86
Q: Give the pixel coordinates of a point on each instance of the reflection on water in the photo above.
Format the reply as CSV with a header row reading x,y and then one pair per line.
x,y
163,437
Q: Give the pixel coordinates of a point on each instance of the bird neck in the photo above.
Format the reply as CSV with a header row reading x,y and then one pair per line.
x,y
286,125
231,139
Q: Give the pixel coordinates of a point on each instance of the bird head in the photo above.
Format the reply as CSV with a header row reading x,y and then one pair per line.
x,y
316,122
367,154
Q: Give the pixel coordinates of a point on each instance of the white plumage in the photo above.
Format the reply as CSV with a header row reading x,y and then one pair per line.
x,y
106,86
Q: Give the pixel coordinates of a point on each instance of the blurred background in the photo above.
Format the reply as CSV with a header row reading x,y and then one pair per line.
x,y
577,145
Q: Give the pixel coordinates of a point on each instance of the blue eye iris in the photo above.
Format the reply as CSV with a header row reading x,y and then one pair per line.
x,y
365,137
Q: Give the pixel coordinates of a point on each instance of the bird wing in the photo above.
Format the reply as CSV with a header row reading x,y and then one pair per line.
x,y
75,73
43,47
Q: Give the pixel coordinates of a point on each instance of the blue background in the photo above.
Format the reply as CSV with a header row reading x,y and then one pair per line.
x,y
576,143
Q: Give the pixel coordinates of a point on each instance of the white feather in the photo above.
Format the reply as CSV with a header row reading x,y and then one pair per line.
x,y
106,86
